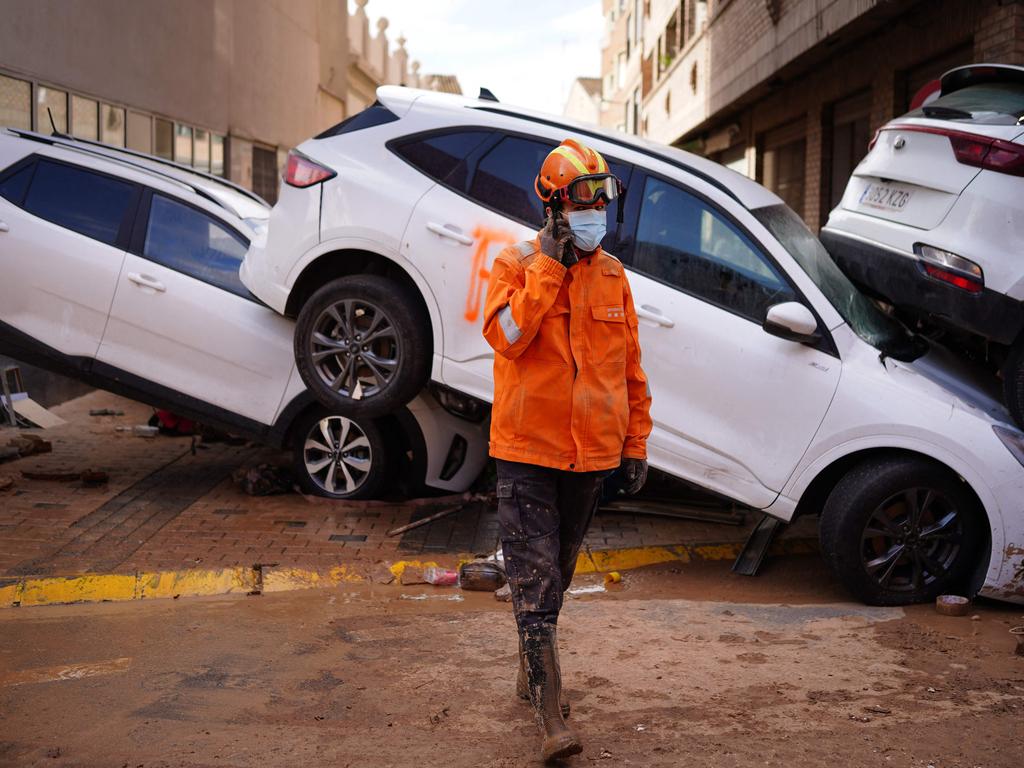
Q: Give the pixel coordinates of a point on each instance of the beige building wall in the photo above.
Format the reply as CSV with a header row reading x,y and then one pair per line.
x,y
584,101
264,74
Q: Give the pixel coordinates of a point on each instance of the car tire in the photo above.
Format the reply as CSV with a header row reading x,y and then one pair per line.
x,y
1013,381
339,457
871,541
346,374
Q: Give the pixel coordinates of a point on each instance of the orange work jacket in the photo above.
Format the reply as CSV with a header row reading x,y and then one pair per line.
x,y
569,392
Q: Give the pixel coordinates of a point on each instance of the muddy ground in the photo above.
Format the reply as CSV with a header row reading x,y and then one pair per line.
x,y
681,666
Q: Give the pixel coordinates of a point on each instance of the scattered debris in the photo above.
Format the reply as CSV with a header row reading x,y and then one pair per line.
x,y
481,576
877,710
28,445
412,574
6,483
105,412
613,577
423,521
641,727
440,577
1018,632
504,595
382,574
589,589
90,477
456,598
264,480
952,605
605,754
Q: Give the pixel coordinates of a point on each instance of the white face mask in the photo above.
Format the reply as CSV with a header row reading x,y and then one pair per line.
x,y
588,227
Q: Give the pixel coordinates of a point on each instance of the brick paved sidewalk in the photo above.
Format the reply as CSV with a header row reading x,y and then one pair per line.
x,y
165,508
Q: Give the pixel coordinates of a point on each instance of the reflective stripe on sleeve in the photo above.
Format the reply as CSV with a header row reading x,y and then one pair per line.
x,y
508,325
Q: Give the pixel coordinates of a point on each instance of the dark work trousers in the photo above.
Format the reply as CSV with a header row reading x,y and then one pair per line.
x,y
544,514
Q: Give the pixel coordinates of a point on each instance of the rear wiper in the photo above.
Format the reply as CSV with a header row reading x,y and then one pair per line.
x,y
931,110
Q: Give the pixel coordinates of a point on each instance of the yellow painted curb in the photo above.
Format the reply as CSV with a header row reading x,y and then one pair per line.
x,y
147,585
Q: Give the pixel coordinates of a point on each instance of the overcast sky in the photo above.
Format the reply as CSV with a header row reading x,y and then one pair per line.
x,y
527,52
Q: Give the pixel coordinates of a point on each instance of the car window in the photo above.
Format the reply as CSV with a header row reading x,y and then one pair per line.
x,y
984,102
442,156
504,179
13,188
683,241
191,242
82,201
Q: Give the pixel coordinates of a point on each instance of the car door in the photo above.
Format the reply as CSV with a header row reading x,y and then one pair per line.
x,y
734,408
182,320
63,233
484,201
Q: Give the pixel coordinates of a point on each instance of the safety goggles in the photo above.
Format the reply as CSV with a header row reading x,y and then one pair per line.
x,y
591,189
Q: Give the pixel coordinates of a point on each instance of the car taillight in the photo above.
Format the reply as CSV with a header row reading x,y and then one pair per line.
x,y
978,151
949,268
303,172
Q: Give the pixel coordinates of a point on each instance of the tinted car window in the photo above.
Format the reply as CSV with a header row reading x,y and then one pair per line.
x,y
82,201
682,241
13,188
504,179
191,242
442,156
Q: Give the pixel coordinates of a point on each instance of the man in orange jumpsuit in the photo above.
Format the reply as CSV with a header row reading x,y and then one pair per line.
x,y
571,404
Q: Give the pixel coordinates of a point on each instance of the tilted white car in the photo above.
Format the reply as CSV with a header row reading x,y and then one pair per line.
x,y
122,270
932,220
775,382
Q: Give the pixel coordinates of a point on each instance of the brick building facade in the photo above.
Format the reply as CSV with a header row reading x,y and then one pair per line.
x,y
789,91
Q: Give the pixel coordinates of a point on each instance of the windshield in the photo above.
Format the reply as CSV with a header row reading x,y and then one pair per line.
x,y
985,102
862,315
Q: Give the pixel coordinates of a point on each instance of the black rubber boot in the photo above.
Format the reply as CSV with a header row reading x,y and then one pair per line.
x,y
544,681
523,689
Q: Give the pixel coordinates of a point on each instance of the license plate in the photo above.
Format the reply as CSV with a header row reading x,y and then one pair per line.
x,y
884,197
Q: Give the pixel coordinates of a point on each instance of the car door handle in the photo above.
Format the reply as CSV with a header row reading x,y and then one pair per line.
x,y
451,232
147,282
647,312
4,227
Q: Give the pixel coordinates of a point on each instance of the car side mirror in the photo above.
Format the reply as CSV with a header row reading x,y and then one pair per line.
x,y
792,321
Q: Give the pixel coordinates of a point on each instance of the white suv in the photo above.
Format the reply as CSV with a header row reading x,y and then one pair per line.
x,y
932,220
122,270
775,382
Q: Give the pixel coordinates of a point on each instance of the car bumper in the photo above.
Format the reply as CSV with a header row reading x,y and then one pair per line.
x,y
899,278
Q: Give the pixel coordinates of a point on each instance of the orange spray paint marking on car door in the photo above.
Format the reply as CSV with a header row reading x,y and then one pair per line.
x,y
479,273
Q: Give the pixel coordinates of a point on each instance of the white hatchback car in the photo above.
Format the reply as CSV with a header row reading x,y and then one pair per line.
x,y
775,382
932,220
122,270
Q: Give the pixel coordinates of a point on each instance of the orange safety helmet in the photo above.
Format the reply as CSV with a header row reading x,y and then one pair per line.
x,y
572,171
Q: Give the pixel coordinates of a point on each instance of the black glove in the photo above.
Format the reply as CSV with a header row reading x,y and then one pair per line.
x,y
635,473
554,240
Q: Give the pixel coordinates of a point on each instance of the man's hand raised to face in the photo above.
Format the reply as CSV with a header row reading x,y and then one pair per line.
x,y
555,237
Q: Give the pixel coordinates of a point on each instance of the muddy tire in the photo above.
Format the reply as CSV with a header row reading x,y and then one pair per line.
x,y
338,457
363,346
1013,381
901,530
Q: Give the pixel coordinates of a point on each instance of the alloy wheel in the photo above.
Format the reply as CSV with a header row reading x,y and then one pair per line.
x,y
337,455
356,349
912,539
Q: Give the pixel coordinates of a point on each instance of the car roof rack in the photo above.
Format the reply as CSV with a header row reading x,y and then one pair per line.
x,y
117,153
612,140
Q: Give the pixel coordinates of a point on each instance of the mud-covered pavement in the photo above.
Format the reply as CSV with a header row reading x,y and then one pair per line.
x,y
683,666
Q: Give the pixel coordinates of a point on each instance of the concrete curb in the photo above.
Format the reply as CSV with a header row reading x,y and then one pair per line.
x,y
259,579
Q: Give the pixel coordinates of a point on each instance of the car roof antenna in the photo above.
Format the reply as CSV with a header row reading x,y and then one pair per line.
x,y
486,95
53,125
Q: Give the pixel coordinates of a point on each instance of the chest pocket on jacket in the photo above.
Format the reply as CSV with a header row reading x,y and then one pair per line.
x,y
608,333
